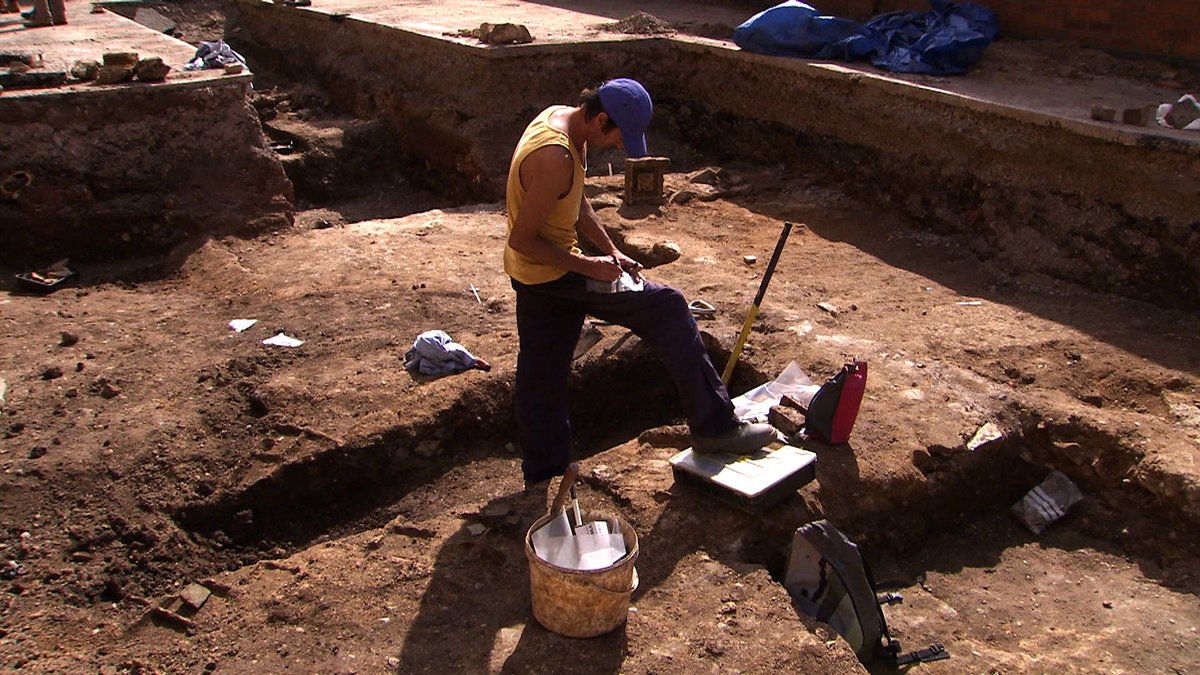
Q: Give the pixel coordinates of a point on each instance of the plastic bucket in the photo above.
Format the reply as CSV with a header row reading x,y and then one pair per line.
x,y
582,603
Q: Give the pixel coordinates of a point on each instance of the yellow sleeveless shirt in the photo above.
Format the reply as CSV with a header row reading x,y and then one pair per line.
x,y
560,226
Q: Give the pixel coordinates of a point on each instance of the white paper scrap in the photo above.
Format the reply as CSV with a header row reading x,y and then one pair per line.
x,y
282,340
592,547
754,405
240,325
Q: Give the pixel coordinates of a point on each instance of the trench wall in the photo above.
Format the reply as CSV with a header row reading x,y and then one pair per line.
x,y
1114,210
134,170
1163,28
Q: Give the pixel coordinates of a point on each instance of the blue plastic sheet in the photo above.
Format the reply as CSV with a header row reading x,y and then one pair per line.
x,y
947,40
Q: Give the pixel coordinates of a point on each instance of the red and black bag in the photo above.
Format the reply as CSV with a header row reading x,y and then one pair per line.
x,y
831,413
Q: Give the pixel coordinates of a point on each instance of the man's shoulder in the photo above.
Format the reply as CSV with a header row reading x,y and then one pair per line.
x,y
550,158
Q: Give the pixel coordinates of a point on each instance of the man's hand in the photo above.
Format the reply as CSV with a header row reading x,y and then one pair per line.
x,y
603,268
629,265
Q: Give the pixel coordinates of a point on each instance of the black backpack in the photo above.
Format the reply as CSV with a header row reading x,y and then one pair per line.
x,y
829,580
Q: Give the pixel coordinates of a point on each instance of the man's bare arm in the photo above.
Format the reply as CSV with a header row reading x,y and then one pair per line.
x,y
547,173
589,226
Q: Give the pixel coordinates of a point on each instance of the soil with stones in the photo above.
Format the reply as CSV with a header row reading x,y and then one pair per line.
x,y
348,516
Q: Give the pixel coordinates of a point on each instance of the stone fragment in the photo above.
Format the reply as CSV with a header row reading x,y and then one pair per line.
x,y
67,338
829,307
788,420
749,259
115,74
476,529
85,71
10,59
195,595
1184,112
1104,113
20,78
1141,116
707,176
663,252
152,70
129,59
682,196
504,33
234,69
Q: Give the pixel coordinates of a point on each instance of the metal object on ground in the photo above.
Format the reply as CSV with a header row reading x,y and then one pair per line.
x,y
762,290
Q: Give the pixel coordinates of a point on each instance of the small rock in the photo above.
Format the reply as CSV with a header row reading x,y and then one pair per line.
x,y
374,543
195,595
1184,112
52,373
504,33
127,59
476,529
85,71
788,420
36,452
152,70
68,338
115,74
749,259
234,69
681,196
1141,116
1104,113
707,176
832,309
664,252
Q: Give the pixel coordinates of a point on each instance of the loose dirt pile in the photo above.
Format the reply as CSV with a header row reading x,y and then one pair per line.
x,y
640,23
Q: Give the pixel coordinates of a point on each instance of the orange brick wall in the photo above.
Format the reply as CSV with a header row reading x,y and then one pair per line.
x,y
1160,28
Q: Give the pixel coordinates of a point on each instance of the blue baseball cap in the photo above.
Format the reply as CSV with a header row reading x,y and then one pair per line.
x,y
628,105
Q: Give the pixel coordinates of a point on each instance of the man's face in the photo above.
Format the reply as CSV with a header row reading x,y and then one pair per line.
x,y
602,140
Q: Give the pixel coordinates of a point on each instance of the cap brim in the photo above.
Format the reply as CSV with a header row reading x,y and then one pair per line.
x,y
635,144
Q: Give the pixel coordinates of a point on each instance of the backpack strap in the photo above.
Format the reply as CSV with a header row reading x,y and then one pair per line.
x,y
934,652
891,647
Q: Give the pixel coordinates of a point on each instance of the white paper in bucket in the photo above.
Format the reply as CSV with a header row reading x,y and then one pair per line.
x,y
592,547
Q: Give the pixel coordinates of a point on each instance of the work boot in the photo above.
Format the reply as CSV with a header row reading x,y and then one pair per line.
x,y
744,439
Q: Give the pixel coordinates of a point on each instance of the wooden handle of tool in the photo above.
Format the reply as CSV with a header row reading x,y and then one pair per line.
x,y
564,487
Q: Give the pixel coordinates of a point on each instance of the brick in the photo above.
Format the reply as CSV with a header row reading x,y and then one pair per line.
x,y
1141,116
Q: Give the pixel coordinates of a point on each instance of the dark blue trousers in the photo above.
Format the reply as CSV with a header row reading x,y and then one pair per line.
x,y
549,319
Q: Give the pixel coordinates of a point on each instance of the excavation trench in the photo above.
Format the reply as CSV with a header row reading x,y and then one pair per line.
x,y
351,488
620,395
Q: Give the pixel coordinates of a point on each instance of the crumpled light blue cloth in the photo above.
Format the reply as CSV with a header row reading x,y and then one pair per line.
x,y
435,353
214,55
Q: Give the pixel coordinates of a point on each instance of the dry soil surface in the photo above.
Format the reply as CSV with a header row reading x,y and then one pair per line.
x,y
351,517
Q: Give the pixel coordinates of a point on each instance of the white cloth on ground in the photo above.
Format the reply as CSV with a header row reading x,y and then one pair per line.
x,y
435,353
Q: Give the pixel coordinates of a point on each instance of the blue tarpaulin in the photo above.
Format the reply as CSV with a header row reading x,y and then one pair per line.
x,y
947,40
